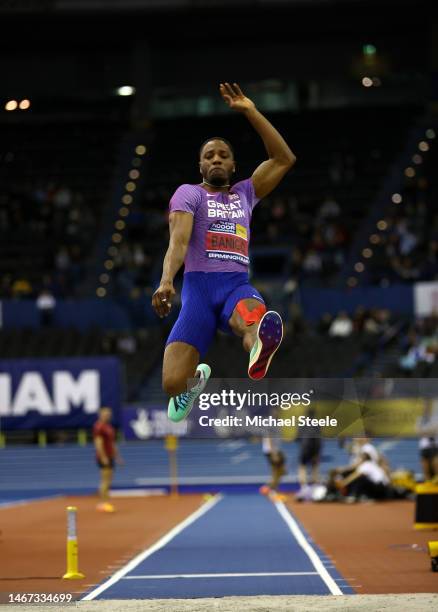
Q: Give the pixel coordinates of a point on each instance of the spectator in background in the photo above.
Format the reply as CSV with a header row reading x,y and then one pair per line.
x,y
62,259
405,268
342,326
138,256
310,454
312,262
62,198
354,449
6,286
46,304
375,326
427,428
127,344
421,352
329,209
407,240
21,288
368,480
296,324
370,324
107,455
272,450
359,319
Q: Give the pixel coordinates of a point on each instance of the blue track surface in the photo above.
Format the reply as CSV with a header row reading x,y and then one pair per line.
x,y
243,534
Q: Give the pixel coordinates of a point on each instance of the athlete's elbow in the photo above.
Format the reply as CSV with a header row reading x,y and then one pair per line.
x,y
287,161
179,248
291,160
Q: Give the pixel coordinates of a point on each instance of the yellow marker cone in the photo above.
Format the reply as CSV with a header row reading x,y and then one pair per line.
x,y
433,552
72,572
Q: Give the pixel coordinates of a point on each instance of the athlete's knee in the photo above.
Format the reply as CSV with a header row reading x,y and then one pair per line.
x,y
250,315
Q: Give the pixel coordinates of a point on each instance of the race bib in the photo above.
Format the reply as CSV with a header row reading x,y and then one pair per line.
x,y
227,240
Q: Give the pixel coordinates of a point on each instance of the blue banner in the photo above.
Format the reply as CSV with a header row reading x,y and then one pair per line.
x,y
57,393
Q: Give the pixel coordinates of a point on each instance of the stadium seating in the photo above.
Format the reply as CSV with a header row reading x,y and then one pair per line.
x,y
407,249
55,180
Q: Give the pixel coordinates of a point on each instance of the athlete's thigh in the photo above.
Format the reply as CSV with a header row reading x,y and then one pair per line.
x,y
196,326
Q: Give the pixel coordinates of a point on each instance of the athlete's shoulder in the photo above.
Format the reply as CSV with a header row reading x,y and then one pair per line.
x,y
244,185
186,198
246,188
241,183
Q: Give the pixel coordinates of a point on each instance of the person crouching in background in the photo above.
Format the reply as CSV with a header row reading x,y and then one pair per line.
x,y
369,480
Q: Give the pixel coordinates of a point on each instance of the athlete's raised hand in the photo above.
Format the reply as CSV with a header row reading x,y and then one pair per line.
x,y
233,96
162,299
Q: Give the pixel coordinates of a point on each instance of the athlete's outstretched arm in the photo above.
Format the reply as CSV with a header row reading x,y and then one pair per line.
x,y
267,176
180,226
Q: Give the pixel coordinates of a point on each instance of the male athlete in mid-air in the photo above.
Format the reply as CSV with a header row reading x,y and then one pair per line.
x,y
209,232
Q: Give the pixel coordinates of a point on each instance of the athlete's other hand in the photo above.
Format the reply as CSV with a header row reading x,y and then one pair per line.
x,y
162,299
233,96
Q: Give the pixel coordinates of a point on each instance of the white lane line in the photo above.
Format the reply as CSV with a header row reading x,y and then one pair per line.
x,y
137,492
149,551
310,552
240,457
209,480
171,576
383,447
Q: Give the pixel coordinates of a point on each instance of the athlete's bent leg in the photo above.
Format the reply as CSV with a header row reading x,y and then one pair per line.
x,y
179,366
245,319
262,334
189,339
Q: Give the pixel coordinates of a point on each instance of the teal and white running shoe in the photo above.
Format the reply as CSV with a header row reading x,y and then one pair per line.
x,y
180,405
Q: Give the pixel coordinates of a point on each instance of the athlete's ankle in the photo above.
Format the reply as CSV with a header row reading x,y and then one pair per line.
x,y
249,339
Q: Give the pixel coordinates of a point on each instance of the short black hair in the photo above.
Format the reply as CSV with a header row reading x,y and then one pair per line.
x,y
216,138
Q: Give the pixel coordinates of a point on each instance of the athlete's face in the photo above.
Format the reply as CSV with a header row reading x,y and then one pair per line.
x,y
217,163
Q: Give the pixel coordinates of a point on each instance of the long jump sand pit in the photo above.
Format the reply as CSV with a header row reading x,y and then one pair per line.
x,y
417,602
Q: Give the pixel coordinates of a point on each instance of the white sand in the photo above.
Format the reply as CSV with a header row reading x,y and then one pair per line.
x,y
419,602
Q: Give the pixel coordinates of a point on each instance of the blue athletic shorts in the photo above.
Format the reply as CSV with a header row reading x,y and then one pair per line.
x,y
208,300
